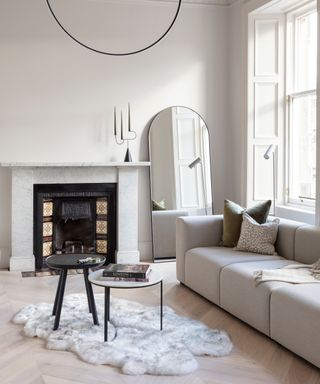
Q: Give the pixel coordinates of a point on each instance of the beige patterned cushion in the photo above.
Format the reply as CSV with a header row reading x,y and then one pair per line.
x,y
257,238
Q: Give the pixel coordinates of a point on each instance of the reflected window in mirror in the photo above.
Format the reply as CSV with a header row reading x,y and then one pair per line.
x,y
180,173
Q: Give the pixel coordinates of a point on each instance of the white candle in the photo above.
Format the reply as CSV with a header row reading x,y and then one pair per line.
x,y
129,118
121,126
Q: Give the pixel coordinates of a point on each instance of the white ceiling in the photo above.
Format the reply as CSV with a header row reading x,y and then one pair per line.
x,y
211,2
204,2
279,6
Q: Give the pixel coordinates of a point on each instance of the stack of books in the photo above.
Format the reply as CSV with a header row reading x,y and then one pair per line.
x,y
127,272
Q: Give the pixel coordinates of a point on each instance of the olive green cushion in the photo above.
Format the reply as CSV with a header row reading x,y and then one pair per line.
x,y
158,205
232,219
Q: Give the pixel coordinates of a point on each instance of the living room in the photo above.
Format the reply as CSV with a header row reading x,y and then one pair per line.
x,y
68,116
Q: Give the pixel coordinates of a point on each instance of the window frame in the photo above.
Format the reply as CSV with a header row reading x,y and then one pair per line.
x,y
291,94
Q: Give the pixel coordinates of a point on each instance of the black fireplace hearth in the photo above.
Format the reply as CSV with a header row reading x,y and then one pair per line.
x,y
74,218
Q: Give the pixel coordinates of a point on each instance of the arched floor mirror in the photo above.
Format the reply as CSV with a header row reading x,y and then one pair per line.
x,y
180,174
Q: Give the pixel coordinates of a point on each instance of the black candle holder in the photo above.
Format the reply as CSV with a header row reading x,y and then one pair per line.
x,y
124,137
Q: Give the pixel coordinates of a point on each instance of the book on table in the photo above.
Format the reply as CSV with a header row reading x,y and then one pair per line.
x,y
127,271
133,279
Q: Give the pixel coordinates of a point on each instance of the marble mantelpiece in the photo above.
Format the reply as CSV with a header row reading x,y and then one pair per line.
x,y
25,175
136,164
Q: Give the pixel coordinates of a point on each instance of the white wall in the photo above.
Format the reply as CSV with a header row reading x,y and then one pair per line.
x,y
317,218
57,98
237,87
162,160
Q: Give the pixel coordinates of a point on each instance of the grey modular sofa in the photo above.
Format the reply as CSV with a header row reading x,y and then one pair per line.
x,y
287,313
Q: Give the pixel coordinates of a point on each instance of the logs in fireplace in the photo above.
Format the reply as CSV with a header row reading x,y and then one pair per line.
x,y
74,218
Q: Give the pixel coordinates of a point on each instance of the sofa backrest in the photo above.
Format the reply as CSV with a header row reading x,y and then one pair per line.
x,y
307,244
285,244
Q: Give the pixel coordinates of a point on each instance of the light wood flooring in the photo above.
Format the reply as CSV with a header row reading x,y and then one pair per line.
x,y
255,359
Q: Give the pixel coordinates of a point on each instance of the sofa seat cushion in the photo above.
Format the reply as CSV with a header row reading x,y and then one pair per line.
x,y
295,319
307,244
204,264
240,296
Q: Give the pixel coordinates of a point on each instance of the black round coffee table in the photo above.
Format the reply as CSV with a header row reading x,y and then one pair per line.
x,y
64,262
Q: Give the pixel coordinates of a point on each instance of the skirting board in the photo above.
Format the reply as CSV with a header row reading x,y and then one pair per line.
x,y
127,257
22,263
4,257
145,248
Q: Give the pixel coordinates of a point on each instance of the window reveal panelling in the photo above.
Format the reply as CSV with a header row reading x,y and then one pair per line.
x,y
265,102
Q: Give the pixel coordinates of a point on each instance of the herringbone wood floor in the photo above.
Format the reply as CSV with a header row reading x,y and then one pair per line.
x,y
255,359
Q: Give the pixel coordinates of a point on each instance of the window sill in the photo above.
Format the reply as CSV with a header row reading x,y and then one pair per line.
x,y
297,214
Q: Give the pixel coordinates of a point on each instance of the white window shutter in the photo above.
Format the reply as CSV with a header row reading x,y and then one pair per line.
x,y
266,105
186,143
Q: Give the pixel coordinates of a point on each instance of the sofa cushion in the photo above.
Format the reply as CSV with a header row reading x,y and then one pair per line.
x,y
194,232
158,205
307,244
295,319
203,266
285,244
232,219
257,238
240,296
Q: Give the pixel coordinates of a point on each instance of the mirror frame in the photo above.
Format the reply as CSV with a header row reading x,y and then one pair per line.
x,y
159,260
112,53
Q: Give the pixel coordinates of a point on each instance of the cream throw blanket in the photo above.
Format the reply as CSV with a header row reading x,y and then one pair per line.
x,y
294,273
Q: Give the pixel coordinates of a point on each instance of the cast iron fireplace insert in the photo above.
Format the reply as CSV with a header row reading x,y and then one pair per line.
x,y
74,218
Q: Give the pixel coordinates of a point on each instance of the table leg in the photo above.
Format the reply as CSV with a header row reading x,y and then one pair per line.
x,y
161,304
106,311
54,311
109,304
90,297
64,273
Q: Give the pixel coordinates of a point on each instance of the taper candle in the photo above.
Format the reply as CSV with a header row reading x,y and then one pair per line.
x,y
129,118
121,126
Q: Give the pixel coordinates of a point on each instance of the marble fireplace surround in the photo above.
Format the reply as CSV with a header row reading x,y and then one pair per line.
x,y
25,175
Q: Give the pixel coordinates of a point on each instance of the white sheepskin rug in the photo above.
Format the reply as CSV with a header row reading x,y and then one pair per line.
x,y
136,345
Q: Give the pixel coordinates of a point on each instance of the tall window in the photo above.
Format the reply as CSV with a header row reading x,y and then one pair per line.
x,y
282,75
301,106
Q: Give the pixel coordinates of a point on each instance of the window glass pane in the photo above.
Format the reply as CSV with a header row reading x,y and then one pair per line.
x,y
306,52
303,148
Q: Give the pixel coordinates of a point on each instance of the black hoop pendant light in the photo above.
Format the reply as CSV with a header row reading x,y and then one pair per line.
x,y
112,53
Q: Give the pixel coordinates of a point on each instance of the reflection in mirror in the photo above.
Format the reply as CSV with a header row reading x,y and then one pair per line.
x,y
180,174
116,27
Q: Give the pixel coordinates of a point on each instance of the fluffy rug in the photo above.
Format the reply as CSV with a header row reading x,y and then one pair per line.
x,y
137,345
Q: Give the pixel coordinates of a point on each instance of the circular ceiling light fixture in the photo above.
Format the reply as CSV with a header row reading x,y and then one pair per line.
x,y
115,27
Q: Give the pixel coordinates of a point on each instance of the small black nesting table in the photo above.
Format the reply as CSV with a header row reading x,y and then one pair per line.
x,y
64,262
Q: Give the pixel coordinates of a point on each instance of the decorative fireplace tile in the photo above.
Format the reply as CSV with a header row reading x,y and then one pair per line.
x,y
101,227
47,249
47,208
101,246
102,207
47,229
